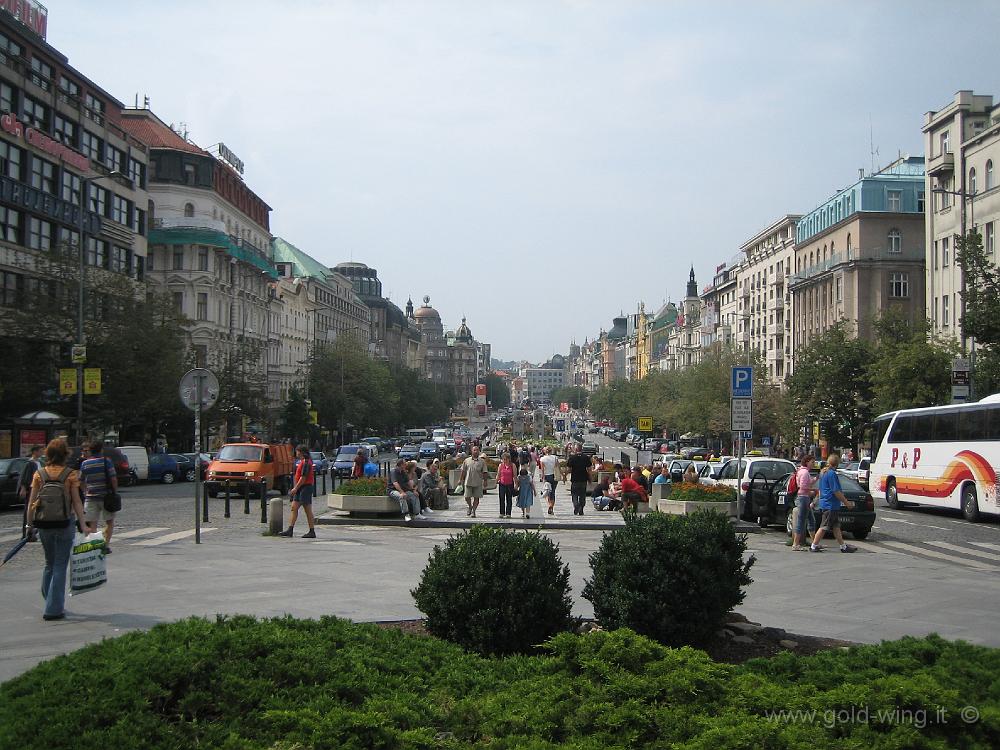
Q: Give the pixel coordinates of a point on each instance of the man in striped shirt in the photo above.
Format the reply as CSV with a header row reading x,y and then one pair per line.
x,y
95,472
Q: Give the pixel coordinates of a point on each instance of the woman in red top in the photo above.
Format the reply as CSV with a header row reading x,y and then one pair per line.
x,y
633,493
358,470
302,494
505,485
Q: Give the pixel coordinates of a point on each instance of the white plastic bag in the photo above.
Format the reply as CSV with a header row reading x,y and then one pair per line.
x,y
87,568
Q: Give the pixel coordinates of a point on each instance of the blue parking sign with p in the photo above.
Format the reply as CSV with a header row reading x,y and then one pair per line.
x,y
742,384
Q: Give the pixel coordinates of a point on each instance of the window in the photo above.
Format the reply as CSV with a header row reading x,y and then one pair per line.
x,y
944,311
895,241
203,259
120,259
840,291
91,145
64,130
140,267
934,313
10,223
120,209
43,175
69,88
189,174
36,114
202,306
899,285
10,160
6,98
9,48
97,252
188,210
39,234
71,187
178,260
94,109
989,237
41,73
114,158
69,238
972,180
945,242
946,142
989,174
935,255
179,301
894,200
99,200
150,258
137,172
139,221
920,201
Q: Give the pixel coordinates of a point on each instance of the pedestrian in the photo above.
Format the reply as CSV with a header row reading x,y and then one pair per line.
x,y
414,472
525,493
302,494
691,475
371,468
96,472
402,492
24,488
664,476
633,492
431,490
358,468
474,478
533,464
506,473
831,497
804,502
56,533
579,475
549,462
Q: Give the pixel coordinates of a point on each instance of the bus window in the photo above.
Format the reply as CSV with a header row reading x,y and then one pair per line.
x,y
902,428
878,433
924,427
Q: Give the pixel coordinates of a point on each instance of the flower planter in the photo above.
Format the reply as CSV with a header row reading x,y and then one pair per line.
x,y
686,507
660,491
364,505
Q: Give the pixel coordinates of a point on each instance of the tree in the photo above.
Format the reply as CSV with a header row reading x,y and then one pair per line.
x,y
497,392
981,319
573,395
295,422
909,369
831,385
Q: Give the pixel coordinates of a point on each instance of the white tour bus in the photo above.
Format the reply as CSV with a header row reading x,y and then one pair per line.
x,y
942,456
417,434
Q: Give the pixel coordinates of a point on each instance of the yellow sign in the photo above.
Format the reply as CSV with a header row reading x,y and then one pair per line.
x,y
313,416
815,432
67,382
78,354
92,381
645,424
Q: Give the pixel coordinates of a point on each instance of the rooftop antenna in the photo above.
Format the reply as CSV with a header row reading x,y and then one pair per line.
x,y
871,142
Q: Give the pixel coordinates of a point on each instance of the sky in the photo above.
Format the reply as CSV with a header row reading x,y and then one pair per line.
x,y
537,167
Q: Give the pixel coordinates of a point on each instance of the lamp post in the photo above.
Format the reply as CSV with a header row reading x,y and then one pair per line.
x,y
81,336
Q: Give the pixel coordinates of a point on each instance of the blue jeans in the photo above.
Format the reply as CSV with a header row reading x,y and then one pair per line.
x,y
804,516
58,545
408,501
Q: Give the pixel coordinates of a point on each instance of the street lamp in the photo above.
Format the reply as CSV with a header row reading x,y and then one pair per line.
x,y
80,334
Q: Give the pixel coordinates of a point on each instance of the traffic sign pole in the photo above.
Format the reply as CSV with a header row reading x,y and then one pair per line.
x,y
197,461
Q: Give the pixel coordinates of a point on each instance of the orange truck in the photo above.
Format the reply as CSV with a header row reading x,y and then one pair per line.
x,y
246,465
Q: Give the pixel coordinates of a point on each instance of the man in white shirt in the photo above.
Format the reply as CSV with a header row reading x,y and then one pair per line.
x,y
549,462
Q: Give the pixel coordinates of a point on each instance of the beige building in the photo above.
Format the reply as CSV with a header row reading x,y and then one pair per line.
x,y
861,253
764,315
962,143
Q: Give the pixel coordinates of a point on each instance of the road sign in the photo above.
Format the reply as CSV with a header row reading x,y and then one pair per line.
x,y
766,441
209,388
645,424
92,381
748,435
67,382
959,394
742,414
78,354
742,382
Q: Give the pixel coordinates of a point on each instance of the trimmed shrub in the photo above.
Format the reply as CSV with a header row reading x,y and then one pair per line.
x,y
672,578
364,486
495,591
703,493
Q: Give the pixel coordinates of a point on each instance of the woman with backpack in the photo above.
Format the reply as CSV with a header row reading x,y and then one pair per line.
x,y
56,511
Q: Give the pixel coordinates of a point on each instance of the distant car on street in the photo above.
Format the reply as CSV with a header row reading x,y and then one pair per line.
x,y
430,449
589,449
163,468
410,452
343,463
10,474
321,464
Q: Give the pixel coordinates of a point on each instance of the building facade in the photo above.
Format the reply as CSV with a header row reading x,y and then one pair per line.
x,y
962,146
861,253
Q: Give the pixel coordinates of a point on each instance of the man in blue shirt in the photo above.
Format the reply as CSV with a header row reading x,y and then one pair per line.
x,y
831,497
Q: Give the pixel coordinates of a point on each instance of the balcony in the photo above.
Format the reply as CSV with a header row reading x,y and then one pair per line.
x,y
188,230
941,165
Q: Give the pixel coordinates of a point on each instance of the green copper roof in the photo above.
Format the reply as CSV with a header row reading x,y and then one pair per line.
x,y
304,266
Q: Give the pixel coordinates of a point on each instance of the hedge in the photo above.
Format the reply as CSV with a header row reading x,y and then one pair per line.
x,y
285,683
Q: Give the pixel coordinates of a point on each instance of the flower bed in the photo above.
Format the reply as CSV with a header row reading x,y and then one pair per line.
x,y
703,493
364,486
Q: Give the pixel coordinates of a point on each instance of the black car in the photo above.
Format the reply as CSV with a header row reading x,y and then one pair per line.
x,y
410,452
772,504
10,475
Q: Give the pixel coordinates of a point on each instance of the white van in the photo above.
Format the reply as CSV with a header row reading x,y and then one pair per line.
x,y
441,436
138,460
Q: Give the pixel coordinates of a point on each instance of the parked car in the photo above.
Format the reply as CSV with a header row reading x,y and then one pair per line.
x,y
321,464
162,467
679,466
738,474
430,449
374,442
10,475
185,466
589,449
772,504
692,451
864,470
411,451
188,458
253,468
343,463
123,469
138,461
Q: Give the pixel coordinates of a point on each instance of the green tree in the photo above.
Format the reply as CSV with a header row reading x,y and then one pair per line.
x,y
573,395
295,417
909,369
981,318
497,391
831,384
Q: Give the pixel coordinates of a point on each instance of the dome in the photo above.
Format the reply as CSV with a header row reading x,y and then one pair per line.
x,y
463,332
425,311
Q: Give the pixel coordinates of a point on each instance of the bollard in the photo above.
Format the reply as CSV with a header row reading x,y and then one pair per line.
x,y
226,514
276,517
227,495
324,482
263,509
204,507
246,505
263,488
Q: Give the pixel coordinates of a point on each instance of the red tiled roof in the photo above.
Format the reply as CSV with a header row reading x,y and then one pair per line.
x,y
152,131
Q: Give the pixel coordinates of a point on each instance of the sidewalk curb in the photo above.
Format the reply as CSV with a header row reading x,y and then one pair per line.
x,y
468,523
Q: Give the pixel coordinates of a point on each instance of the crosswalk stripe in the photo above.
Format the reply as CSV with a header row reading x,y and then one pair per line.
x,y
967,551
169,537
870,547
938,555
10,538
987,545
139,532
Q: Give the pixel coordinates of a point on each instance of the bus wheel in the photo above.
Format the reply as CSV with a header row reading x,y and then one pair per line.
x,y
892,497
970,503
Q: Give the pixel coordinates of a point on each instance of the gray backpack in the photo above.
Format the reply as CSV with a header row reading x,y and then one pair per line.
x,y
52,507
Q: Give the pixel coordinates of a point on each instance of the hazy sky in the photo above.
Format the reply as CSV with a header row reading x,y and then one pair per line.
x,y
537,166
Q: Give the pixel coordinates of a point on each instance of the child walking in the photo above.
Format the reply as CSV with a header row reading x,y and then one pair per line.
x,y
525,492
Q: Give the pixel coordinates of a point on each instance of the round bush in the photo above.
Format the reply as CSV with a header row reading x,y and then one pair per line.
x,y
672,578
494,591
